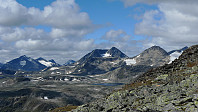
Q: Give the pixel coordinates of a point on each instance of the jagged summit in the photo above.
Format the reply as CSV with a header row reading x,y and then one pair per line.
x,y
52,61
172,87
115,52
23,57
47,63
179,51
104,53
69,62
40,58
174,54
23,63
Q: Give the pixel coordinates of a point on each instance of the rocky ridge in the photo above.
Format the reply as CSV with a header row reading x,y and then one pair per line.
x,y
114,66
153,56
25,63
170,88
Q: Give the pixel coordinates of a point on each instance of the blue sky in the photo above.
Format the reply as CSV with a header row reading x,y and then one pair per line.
x,y
68,29
109,14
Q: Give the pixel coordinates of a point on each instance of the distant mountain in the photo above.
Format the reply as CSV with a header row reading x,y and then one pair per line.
x,y
50,63
174,54
114,52
23,63
153,56
169,88
69,62
6,72
180,50
113,65
104,53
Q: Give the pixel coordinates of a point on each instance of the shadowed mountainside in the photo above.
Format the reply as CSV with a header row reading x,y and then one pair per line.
x,y
172,87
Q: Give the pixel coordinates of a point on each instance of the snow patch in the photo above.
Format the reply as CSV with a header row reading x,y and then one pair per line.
x,y
48,64
130,61
45,98
69,72
30,59
105,79
113,63
174,56
66,79
54,68
58,72
106,55
75,79
23,63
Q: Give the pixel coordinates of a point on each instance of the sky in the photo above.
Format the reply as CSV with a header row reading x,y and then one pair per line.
x,y
69,29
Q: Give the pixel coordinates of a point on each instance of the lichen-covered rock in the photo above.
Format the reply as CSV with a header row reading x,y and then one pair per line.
x,y
170,88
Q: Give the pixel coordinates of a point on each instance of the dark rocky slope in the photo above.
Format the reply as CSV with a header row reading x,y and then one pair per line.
x,y
170,88
23,63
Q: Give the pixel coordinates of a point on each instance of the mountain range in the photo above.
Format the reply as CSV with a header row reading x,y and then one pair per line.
x,y
110,65
168,88
93,77
99,61
24,63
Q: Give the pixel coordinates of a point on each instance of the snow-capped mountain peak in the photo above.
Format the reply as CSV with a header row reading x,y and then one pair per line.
x,y
23,63
47,63
174,54
103,53
69,62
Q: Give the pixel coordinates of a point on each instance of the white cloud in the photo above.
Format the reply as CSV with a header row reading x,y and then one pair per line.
x,y
116,36
121,40
14,34
12,13
128,3
173,25
29,44
59,33
67,24
60,14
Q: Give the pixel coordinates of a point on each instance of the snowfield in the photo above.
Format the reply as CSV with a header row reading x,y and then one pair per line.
x,y
174,56
106,55
54,68
130,61
47,64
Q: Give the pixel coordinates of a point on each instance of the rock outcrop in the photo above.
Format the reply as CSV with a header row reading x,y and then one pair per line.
x,y
170,88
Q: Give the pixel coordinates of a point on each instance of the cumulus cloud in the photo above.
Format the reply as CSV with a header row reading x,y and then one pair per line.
x,y
128,3
122,40
12,13
61,13
172,25
65,32
14,34
67,24
116,36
